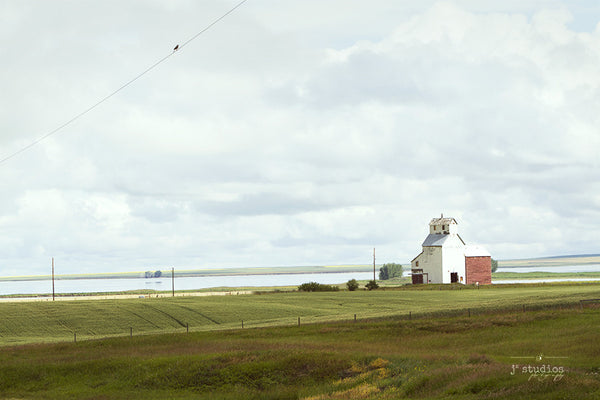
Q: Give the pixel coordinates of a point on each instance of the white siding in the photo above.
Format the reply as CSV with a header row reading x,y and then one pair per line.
x,y
430,261
453,259
433,266
453,228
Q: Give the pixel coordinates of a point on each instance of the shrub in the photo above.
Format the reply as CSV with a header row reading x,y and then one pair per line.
x,y
372,285
352,285
317,287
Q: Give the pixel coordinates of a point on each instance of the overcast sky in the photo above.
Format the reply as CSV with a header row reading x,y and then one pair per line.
x,y
303,132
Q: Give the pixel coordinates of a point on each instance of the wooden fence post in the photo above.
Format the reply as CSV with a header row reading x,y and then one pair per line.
x,y
298,321
130,331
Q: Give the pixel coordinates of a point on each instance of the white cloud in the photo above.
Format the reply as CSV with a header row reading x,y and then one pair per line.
x,y
300,135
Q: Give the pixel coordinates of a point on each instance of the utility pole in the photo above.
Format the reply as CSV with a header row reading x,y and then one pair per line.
x,y
373,264
173,280
52,278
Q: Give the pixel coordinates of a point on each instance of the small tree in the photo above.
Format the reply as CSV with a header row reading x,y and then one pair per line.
x,y
157,274
384,273
389,271
372,285
352,285
494,265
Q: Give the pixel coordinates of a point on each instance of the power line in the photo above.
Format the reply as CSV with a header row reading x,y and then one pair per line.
x,y
150,68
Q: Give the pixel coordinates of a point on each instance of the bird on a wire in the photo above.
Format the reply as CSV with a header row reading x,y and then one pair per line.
x,y
176,48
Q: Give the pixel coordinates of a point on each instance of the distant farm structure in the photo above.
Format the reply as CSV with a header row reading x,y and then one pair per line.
x,y
445,258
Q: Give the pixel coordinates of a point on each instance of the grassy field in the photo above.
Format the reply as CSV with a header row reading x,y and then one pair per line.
x,y
496,355
47,321
532,341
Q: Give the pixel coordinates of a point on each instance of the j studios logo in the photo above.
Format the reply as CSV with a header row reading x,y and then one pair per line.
x,y
540,371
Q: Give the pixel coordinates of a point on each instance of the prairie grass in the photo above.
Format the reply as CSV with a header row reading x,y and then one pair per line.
x,y
387,358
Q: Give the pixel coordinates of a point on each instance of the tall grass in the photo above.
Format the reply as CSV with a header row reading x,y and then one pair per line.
x,y
456,357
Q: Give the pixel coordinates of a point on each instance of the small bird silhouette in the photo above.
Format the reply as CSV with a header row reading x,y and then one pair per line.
x,y
176,48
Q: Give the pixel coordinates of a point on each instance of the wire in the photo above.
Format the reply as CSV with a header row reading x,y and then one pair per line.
x,y
150,68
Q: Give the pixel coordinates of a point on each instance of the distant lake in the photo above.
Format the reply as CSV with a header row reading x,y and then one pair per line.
x,y
205,282
182,283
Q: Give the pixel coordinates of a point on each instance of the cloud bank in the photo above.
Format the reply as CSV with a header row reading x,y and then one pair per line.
x,y
278,138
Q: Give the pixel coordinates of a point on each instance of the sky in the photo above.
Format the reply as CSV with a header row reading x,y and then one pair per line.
x,y
295,133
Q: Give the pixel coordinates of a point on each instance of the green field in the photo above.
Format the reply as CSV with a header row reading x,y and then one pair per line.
x,y
462,343
523,341
44,321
